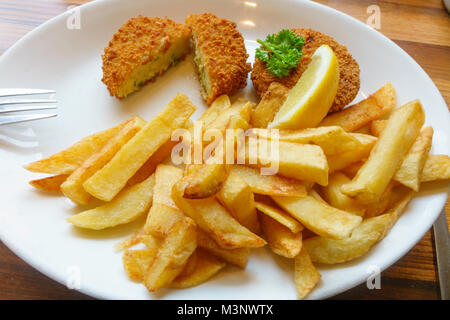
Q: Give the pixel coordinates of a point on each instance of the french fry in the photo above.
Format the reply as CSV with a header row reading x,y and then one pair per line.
x,y
150,165
126,207
377,126
281,240
319,217
73,186
437,167
369,232
136,262
280,216
216,221
217,108
109,180
269,184
164,213
357,116
352,169
179,244
379,207
306,276
130,241
298,161
68,160
158,157
332,140
237,197
49,184
237,257
150,241
333,195
241,108
204,180
388,153
165,177
363,130
410,171
205,267
270,104
339,161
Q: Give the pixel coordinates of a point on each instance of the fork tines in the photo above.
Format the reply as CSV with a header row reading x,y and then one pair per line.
x,y
22,104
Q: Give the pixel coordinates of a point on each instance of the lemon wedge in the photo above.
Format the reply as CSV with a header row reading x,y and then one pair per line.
x,y
310,99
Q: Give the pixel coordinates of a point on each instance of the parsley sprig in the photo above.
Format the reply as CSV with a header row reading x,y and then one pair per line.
x,y
280,52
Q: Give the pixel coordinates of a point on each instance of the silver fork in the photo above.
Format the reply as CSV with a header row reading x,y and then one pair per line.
x,y
9,103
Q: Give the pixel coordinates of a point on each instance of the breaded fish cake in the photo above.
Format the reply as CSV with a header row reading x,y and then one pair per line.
x,y
220,55
140,50
349,70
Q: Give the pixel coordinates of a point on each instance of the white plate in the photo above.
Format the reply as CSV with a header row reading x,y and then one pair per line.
x,y
33,224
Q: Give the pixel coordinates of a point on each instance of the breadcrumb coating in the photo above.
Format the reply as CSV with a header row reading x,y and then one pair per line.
x,y
136,44
349,70
221,57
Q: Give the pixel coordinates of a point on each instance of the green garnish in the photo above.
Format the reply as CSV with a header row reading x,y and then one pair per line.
x,y
281,52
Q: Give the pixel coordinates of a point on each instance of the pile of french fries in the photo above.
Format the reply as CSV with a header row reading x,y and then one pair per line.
x,y
339,188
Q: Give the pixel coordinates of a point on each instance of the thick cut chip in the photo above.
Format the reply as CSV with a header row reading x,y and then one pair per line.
x,y
219,105
369,232
293,160
410,171
165,177
437,167
282,217
205,267
150,165
306,276
379,207
108,181
319,217
160,219
129,205
49,184
333,195
204,180
237,197
216,221
237,257
73,186
175,250
344,159
269,184
332,140
136,262
377,126
281,240
68,160
130,241
352,169
387,155
365,111
164,213
269,105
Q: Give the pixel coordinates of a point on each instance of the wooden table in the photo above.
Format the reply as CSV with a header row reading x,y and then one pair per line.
x,y
421,28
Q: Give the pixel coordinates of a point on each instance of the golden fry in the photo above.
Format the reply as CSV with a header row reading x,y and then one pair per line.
x,y
109,180
388,153
357,116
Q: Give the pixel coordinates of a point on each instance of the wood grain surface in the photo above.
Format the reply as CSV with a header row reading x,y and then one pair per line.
x,y
421,28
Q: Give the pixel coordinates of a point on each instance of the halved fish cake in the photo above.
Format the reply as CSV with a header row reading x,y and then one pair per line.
x,y
220,55
142,49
